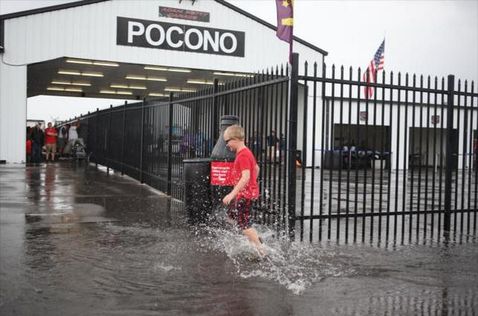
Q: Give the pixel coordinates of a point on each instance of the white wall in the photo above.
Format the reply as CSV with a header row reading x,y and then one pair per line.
x,y
13,112
90,32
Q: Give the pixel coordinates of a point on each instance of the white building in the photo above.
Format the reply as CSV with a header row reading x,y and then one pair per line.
x,y
127,49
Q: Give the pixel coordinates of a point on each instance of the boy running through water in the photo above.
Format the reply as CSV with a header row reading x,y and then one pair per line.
x,y
245,189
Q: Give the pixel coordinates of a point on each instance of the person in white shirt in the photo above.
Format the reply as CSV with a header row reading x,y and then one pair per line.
x,y
72,133
73,137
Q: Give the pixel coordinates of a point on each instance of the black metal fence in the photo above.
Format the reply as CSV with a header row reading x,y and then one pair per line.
x,y
149,140
400,165
335,165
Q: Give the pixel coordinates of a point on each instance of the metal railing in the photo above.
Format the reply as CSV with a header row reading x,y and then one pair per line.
x,y
149,140
334,165
400,166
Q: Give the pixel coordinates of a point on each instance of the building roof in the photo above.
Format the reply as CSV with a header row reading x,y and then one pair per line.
x,y
87,2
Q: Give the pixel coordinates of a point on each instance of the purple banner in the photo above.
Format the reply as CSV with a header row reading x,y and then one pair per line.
x,y
285,20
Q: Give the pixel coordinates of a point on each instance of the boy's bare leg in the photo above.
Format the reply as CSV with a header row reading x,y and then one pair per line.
x,y
253,237
230,221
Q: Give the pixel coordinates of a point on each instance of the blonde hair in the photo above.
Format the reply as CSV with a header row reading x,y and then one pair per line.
x,y
235,131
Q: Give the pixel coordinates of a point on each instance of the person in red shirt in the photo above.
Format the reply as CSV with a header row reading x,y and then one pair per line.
x,y
29,144
246,190
50,141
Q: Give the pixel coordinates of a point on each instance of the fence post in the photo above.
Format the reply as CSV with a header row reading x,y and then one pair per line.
x,y
215,111
108,140
88,142
123,137
448,153
170,143
96,137
293,106
141,144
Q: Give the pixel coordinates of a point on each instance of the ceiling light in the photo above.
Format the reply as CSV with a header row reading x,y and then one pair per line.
x,y
132,77
178,70
156,79
166,69
92,74
199,81
155,94
122,86
170,89
137,87
105,63
84,84
55,89
73,89
89,62
74,83
69,72
78,73
116,92
150,78
155,68
79,61
124,92
64,89
232,74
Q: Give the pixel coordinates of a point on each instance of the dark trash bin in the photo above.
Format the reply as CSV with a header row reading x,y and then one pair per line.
x,y
222,162
197,189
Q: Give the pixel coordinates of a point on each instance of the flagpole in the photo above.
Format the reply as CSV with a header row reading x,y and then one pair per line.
x,y
290,51
291,43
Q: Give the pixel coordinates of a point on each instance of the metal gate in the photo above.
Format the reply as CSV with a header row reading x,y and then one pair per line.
x,y
398,166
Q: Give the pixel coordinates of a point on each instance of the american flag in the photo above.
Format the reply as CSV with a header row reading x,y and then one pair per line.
x,y
370,75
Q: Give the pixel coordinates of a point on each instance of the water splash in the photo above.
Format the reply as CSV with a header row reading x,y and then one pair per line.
x,y
296,266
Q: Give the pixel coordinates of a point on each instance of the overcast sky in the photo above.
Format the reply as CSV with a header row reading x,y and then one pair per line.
x,y
432,37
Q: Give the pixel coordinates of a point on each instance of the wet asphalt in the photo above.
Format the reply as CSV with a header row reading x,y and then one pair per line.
x,y
76,240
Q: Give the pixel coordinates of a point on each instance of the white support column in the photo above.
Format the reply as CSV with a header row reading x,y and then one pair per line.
x,y
13,112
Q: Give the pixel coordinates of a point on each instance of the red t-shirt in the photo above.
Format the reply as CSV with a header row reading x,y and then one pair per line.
x,y
48,138
29,146
245,161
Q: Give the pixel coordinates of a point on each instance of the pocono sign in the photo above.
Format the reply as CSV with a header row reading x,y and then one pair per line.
x,y
189,38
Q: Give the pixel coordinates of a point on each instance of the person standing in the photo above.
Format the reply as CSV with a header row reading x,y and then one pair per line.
x,y
246,190
62,139
255,143
272,142
37,143
29,144
73,137
50,141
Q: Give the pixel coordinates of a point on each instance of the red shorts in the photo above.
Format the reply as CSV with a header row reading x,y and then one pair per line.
x,y
240,211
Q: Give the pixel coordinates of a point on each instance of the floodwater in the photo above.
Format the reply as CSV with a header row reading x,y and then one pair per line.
x,y
77,241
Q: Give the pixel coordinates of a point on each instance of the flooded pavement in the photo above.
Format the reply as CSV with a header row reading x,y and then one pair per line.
x,y
77,241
